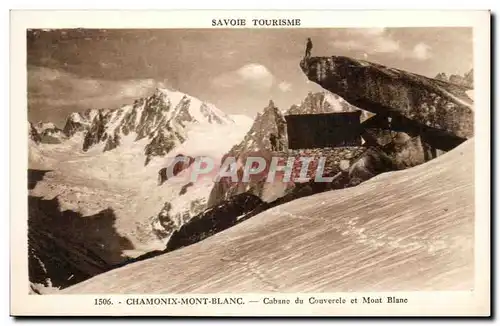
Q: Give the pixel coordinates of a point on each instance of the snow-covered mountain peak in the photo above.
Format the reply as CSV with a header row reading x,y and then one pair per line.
x,y
190,108
164,118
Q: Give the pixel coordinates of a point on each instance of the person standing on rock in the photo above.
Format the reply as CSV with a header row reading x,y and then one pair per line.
x,y
309,47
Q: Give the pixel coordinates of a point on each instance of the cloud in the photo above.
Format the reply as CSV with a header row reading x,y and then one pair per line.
x,y
253,75
284,86
421,51
53,89
368,40
372,41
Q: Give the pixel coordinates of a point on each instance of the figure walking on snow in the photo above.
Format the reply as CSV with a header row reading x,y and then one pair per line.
x,y
309,47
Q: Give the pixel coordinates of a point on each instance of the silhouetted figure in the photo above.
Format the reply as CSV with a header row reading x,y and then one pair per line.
x,y
274,142
309,47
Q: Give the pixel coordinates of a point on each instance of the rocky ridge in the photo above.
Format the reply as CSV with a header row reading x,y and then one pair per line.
x,y
466,80
163,119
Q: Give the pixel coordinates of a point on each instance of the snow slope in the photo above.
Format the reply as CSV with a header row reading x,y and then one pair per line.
x,y
406,230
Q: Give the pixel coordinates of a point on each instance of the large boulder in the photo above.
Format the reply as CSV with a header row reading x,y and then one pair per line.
x,y
416,118
428,103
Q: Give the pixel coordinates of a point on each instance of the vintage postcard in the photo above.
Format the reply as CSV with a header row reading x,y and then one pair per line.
x,y
250,163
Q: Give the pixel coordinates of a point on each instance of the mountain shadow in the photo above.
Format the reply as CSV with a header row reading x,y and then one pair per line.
x,y
66,248
34,176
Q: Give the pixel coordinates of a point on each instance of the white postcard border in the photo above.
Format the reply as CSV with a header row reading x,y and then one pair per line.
x,y
475,302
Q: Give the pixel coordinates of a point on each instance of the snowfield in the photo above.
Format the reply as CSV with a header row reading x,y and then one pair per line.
x,y
89,182
356,239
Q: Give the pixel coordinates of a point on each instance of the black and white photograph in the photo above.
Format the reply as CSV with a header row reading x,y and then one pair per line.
x,y
270,159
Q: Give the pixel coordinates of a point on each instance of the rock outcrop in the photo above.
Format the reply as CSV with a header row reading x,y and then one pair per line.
x,y
97,131
467,80
257,142
180,163
428,103
79,122
441,76
49,133
416,118
33,134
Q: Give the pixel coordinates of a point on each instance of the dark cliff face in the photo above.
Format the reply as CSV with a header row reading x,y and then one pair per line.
x,y
71,127
79,122
33,133
153,111
66,248
270,121
96,132
213,220
161,144
176,167
257,142
441,76
393,92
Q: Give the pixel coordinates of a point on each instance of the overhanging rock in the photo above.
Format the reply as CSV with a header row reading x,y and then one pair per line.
x,y
427,103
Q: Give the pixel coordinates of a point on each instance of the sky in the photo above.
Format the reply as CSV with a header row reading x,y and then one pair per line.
x,y
238,70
